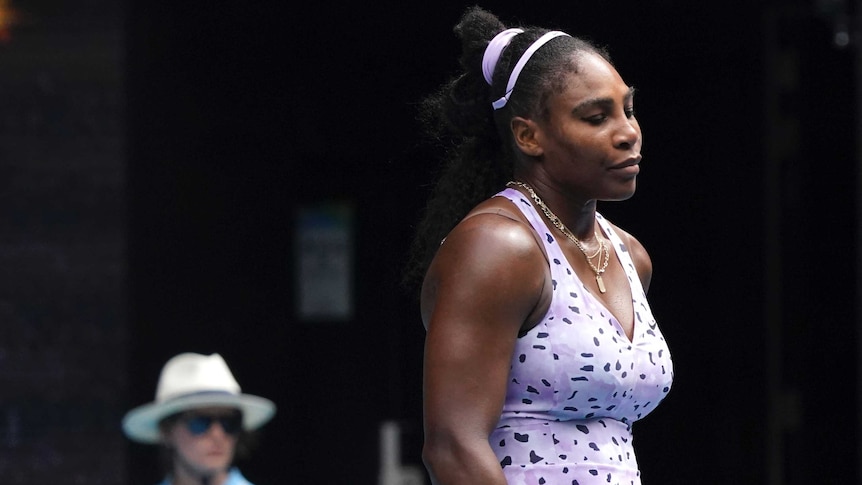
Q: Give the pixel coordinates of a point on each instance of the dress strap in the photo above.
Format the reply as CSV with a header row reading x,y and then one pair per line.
x,y
623,254
549,241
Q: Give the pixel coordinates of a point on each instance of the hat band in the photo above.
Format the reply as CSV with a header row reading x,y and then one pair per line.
x,y
197,393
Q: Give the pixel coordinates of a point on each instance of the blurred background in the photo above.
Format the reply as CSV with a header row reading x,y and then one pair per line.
x,y
245,178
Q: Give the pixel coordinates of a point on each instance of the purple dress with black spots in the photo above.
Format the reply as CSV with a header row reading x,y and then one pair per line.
x,y
577,383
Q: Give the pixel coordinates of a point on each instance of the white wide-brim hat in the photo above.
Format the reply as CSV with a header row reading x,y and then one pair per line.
x,y
191,381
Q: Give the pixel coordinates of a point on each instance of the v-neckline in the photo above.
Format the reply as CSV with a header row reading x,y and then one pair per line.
x,y
596,300
605,308
537,221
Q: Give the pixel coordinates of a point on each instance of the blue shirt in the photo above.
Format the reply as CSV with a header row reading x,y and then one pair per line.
x,y
233,478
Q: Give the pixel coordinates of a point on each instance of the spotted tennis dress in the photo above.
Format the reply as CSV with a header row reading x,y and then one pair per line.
x,y
577,383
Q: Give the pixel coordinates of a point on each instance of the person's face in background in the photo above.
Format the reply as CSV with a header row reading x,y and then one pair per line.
x,y
204,441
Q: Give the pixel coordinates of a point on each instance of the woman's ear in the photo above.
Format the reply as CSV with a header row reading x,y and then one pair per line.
x,y
524,132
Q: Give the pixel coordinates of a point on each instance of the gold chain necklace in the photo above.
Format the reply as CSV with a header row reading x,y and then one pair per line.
x,y
603,249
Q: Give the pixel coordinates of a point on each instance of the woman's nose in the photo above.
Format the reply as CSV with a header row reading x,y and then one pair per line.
x,y
628,133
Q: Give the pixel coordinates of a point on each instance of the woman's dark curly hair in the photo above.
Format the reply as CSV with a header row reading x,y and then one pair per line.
x,y
476,140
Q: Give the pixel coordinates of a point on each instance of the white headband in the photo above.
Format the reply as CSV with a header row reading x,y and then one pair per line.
x,y
493,51
492,55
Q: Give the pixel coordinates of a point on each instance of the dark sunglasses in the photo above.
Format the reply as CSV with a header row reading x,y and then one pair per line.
x,y
198,424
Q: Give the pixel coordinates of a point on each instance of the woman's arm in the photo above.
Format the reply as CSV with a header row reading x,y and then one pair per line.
x,y
484,282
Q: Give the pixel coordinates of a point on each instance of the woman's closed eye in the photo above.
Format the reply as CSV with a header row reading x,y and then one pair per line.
x,y
596,119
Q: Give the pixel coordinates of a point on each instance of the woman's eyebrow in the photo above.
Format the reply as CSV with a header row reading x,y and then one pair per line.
x,y
603,102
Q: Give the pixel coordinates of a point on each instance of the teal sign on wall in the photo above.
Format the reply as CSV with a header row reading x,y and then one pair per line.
x,y
325,262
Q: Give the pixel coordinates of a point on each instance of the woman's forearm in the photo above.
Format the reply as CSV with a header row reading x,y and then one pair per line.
x,y
454,465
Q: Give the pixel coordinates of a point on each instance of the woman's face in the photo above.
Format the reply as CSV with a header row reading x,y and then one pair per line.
x,y
205,440
591,141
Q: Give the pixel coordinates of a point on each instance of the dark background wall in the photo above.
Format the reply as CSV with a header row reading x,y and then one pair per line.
x,y
63,325
235,117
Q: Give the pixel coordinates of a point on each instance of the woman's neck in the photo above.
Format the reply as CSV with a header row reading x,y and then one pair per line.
x,y
579,216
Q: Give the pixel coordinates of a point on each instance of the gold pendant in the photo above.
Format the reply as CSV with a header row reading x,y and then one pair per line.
x,y
601,283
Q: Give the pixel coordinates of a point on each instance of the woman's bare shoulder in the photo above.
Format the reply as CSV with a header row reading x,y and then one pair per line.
x,y
492,252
